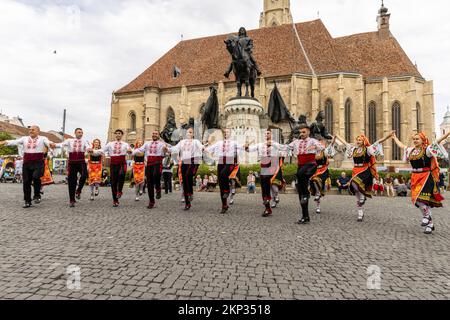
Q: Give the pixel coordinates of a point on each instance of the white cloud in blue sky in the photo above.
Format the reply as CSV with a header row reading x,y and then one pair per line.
x,y
102,45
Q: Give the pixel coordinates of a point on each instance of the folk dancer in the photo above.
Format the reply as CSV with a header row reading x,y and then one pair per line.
x,y
155,151
95,168
167,173
33,162
425,176
46,178
364,157
77,149
118,151
268,155
190,153
227,153
139,170
317,182
306,150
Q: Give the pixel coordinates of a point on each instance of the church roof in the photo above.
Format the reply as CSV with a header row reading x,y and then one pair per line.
x,y
277,50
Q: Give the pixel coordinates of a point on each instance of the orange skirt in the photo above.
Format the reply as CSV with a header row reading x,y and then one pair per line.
x,y
139,173
95,173
46,179
363,178
424,189
321,175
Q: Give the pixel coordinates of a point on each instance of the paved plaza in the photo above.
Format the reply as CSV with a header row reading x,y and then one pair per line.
x,y
97,252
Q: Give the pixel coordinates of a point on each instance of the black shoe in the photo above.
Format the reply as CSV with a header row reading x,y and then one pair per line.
x,y
150,205
72,205
78,195
267,213
304,220
27,205
37,200
187,207
158,195
224,210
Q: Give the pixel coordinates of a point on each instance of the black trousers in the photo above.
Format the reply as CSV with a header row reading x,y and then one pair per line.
x,y
118,172
188,171
266,187
153,174
167,176
74,169
32,173
224,171
304,174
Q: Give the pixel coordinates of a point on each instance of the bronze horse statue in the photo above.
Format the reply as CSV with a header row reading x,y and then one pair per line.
x,y
243,64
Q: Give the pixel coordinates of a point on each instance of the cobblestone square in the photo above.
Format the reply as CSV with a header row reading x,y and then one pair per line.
x,y
165,253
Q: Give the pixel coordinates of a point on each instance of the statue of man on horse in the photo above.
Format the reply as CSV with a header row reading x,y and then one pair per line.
x,y
243,63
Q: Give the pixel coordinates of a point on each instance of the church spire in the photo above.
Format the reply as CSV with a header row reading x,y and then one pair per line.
x,y
383,22
276,13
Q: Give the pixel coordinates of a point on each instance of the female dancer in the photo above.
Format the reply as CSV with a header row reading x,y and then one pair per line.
x,y
317,182
47,178
139,170
424,189
95,168
364,157
190,152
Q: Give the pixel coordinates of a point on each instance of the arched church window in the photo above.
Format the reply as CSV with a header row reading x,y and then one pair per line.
x,y
372,122
132,121
348,128
329,115
396,126
418,117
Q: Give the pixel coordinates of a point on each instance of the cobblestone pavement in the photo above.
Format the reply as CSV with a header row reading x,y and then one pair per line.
x,y
166,253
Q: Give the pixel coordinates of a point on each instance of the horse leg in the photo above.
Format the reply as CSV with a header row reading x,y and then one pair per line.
x,y
239,88
246,87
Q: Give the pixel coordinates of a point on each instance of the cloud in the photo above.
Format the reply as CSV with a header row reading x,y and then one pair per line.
x,y
102,45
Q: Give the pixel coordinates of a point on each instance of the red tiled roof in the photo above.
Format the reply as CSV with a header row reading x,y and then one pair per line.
x,y
365,53
18,131
278,53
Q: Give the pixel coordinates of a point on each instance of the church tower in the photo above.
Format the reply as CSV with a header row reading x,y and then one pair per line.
x,y
276,13
383,22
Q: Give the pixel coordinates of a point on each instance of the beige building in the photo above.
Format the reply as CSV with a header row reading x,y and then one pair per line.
x,y
365,82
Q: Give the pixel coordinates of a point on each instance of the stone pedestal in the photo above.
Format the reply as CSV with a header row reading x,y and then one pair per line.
x,y
243,118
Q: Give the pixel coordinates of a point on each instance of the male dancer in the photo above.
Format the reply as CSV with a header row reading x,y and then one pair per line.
x,y
227,153
190,154
77,149
269,156
118,151
155,151
33,162
305,149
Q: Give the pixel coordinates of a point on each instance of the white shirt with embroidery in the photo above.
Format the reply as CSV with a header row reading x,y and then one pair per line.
x,y
306,146
375,150
31,145
151,149
116,149
188,149
75,145
433,150
225,149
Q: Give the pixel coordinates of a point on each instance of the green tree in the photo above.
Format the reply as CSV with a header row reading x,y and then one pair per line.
x,y
4,151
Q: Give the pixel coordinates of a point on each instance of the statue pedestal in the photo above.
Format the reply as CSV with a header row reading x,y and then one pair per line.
x,y
243,118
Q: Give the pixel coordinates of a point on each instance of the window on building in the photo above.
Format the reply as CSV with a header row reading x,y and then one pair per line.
x,y
348,125
329,115
396,125
372,122
132,122
419,117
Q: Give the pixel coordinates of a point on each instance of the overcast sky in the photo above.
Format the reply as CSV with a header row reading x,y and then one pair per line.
x,y
102,45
